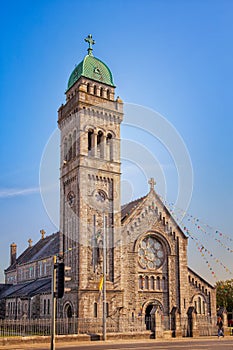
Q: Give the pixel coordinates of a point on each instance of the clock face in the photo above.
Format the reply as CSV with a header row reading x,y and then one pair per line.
x,y
150,253
100,196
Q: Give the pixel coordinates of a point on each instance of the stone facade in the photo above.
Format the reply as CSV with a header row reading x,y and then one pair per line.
x,y
90,190
146,251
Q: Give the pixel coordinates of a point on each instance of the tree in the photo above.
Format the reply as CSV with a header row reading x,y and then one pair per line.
x,y
224,294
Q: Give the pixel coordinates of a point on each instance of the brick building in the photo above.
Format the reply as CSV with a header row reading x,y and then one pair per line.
x,y
146,250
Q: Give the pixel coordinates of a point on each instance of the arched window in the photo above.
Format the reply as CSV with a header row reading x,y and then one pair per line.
x,y
158,282
199,305
90,139
74,144
95,90
163,283
44,306
152,282
140,282
109,147
65,156
69,147
108,94
48,307
19,308
95,310
107,309
203,307
146,282
100,144
88,88
101,92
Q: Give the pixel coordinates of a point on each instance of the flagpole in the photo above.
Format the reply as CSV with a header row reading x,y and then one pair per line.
x,y
104,277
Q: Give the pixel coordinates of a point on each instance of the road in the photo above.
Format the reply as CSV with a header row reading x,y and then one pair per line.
x,y
194,344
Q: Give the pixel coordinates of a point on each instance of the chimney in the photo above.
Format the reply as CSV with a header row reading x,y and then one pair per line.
x,y
13,252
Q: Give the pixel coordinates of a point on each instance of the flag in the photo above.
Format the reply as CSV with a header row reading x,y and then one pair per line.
x,y
100,287
101,283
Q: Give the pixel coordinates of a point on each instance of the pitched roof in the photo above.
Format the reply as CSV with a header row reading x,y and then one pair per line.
x,y
27,289
127,209
42,249
200,278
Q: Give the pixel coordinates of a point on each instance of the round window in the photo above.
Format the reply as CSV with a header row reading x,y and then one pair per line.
x,y
150,253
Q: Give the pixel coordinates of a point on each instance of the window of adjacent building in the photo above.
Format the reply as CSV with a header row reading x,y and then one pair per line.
x,y
45,268
31,271
40,269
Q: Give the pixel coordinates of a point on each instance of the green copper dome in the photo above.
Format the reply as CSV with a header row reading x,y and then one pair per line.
x,y
92,68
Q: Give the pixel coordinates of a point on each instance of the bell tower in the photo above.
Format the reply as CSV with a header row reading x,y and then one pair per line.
x,y
89,123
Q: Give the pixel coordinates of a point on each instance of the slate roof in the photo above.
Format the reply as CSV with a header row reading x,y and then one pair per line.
x,y
27,289
200,278
44,248
127,209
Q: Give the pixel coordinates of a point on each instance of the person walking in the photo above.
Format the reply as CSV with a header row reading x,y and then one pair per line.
x,y
220,327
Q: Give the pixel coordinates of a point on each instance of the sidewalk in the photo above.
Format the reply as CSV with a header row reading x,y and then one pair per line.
x,y
44,342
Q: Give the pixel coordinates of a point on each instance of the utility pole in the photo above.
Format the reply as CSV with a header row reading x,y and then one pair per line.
x,y
104,276
53,318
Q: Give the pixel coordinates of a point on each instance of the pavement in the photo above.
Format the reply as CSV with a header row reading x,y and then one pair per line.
x,y
91,344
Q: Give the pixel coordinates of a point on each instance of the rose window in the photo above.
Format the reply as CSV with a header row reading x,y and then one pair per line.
x,y
151,253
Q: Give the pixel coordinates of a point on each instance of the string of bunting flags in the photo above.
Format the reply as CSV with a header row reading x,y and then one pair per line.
x,y
201,227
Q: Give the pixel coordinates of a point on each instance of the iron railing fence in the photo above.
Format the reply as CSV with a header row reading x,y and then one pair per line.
x,y
205,325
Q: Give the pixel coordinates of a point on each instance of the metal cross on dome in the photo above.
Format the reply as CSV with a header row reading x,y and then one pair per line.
x,y
91,42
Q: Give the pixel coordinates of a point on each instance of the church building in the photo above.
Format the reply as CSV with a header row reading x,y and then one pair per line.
x,y
138,247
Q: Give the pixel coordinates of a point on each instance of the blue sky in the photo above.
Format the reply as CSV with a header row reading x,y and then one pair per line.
x,y
174,57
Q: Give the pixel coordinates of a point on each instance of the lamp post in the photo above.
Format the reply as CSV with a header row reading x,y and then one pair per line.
x,y
53,318
104,276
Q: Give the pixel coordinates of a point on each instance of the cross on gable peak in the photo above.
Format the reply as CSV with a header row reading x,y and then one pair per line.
x,y
42,233
152,183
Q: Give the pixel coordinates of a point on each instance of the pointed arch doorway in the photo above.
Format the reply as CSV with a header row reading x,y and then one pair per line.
x,y
148,316
154,316
69,319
